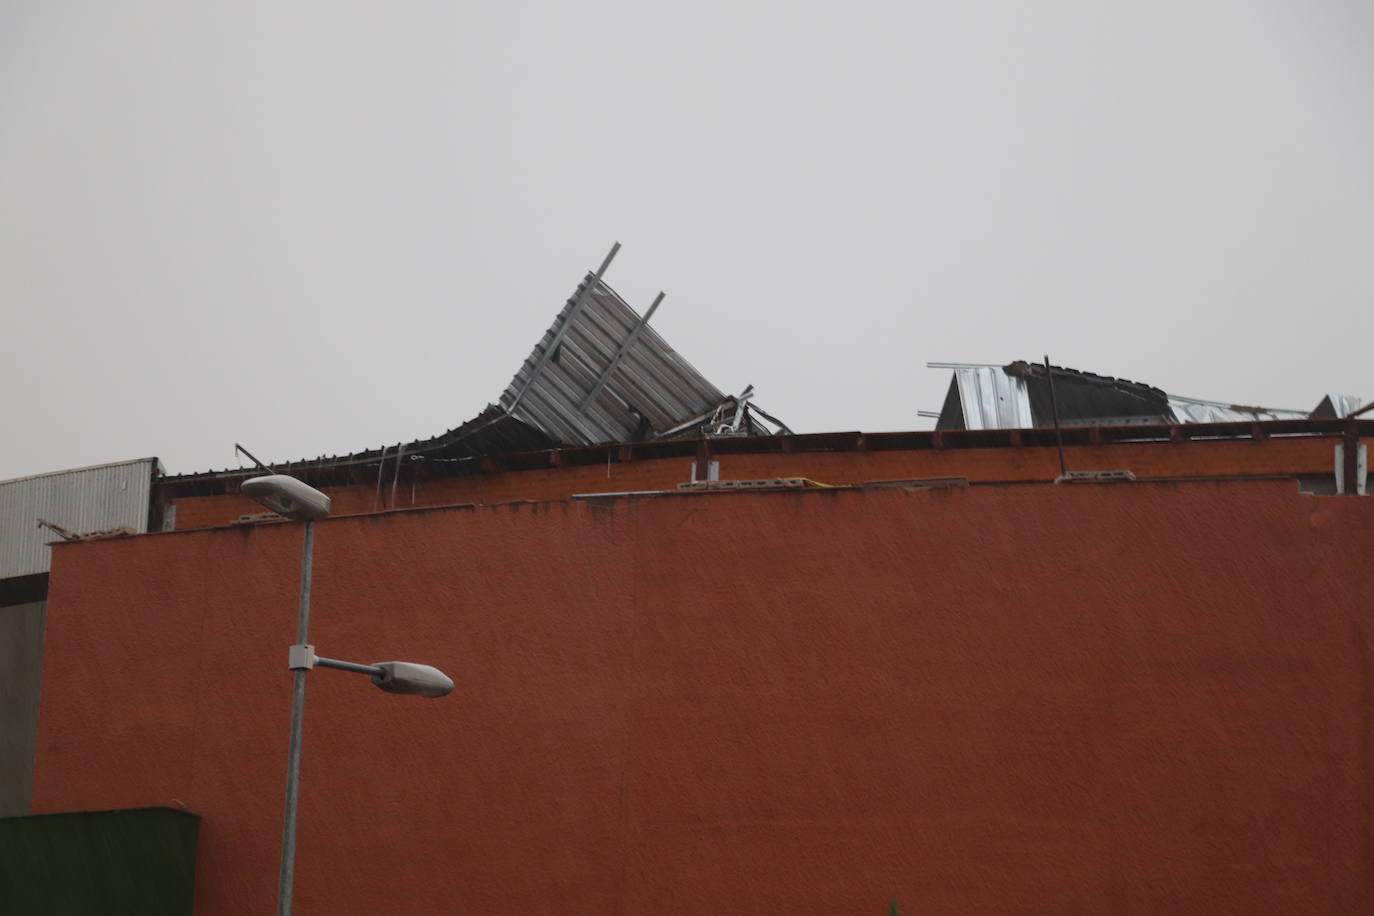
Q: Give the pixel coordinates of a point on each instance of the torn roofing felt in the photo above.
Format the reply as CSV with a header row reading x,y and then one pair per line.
x,y
599,375
1017,396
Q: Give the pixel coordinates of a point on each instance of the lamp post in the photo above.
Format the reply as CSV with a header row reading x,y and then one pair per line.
x,y
293,499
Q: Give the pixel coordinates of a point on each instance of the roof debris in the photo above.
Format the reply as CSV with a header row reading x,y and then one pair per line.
x,y
599,375
1017,396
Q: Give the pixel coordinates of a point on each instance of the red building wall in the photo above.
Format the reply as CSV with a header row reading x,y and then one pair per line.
x,y
1020,464
1098,698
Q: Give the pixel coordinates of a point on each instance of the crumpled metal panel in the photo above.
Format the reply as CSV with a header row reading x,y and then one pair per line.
x,y
648,388
82,500
1345,404
1192,410
992,399
600,374
1338,405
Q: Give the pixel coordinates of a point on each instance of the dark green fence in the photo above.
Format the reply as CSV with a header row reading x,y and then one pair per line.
x,y
103,863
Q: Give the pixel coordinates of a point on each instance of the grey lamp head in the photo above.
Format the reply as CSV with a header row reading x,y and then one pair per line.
x,y
408,677
287,496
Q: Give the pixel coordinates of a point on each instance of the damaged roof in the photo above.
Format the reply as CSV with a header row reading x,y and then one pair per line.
x,y
1018,396
599,375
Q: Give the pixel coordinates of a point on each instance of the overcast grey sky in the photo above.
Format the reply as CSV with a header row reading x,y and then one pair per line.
x,y
315,227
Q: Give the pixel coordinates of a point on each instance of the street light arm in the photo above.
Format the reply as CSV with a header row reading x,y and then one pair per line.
x,y
356,668
393,677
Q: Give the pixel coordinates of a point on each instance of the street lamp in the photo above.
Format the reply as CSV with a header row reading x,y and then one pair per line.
x,y
293,499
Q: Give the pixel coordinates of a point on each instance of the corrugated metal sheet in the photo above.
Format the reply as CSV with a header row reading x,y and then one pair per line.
x,y
82,500
1338,405
991,399
599,375
489,433
645,386
1193,410
1345,404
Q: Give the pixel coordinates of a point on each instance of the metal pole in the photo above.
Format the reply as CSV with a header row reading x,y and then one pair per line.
x,y
293,766
1350,459
395,478
252,458
1054,409
340,665
381,472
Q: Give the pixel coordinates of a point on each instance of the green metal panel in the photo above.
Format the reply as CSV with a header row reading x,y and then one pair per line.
x,y
140,862
21,672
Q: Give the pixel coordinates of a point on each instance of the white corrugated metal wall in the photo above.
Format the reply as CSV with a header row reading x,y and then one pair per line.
x,y
991,399
81,500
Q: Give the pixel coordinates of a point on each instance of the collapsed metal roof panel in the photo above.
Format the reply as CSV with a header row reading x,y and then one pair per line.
x,y
992,399
1016,396
1337,405
1194,410
601,374
489,433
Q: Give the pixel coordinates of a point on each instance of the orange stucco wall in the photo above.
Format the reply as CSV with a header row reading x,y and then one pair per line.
x,y
1128,698
1207,458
